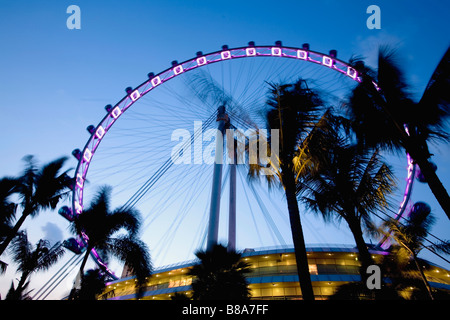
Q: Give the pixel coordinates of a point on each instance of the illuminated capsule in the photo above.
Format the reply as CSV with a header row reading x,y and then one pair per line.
x,y
74,245
66,213
420,208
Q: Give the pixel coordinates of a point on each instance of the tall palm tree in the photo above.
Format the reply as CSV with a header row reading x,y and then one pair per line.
x,y
220,275
410,236
294,110
8,187
351,185
31,260
105,230
39,188
389,118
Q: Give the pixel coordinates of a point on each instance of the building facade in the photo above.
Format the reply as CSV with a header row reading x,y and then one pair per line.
x,y
273,275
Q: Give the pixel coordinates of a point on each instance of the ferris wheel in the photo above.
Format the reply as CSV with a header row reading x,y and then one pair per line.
x,y
136,148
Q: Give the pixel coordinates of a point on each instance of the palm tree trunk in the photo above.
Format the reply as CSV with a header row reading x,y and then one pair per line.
x,y
424,278
435,184
13,232
297,236
364,254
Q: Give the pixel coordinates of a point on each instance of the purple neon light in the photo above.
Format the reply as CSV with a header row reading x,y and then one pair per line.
x,y
80,180
201,61
225,55
156,81
327,61
116,112
147,86
276,51
100,132
178,69
135,95
87,155
301,54
250,52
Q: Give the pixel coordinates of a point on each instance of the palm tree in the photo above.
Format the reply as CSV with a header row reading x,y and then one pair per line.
x,y
411,237
351,185
294,110
31,260
102,227
220,275
388,118
38,189
7,211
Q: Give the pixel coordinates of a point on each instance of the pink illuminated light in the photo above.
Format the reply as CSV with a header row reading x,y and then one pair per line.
x,y
352,73
301,54
135,95
116,112
100,132
156,81
177,70
250,52
87,155
327,61
78,207
80,181
201,61
276,51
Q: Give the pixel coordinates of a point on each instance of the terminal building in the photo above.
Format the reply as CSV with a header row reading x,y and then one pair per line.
x,y
273,275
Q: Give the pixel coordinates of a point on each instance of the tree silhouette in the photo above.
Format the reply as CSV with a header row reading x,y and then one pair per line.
x,y
104,229
220,275
31,260
387,117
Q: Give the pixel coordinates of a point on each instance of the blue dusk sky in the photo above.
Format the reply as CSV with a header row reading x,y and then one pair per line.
x,y
55,81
